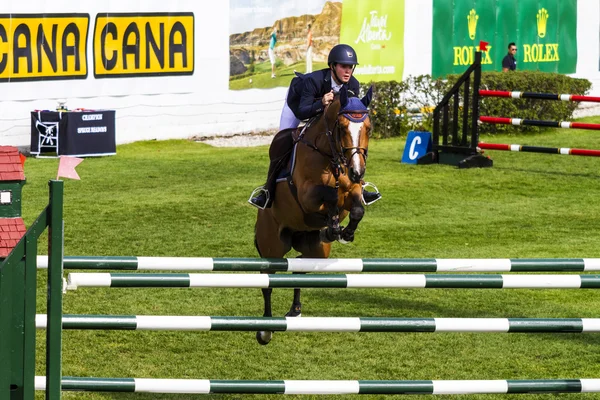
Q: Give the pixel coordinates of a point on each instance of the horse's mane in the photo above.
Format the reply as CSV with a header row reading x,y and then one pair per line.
x,y
320,118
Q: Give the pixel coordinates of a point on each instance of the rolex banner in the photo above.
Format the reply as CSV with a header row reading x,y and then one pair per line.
x,y
544,31
375,29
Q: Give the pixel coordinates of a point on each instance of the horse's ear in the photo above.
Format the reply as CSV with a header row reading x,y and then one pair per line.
x,y
343,96
368,97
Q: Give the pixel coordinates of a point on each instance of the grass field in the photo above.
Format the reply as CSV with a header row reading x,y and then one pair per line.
x,y
180,198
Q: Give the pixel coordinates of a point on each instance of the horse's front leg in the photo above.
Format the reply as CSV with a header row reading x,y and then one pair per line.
x,y
333,230
357,211
318,198
330,201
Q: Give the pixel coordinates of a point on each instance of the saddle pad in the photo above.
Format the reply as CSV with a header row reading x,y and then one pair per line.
x,y
286,172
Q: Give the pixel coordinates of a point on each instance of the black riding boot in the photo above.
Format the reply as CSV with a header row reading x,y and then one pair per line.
x,y
371,197
265,198
279,153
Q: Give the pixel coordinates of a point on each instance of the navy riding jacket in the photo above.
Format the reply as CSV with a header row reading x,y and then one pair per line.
x,y
306,91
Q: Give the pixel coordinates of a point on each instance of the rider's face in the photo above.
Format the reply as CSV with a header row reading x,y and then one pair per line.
x,y
344,72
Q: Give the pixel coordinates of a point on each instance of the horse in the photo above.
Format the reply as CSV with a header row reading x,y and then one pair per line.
x,y
324,187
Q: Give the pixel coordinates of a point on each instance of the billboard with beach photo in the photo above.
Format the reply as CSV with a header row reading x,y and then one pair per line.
x,y
270,40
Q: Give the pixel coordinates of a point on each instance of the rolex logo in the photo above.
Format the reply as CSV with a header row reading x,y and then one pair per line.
x,y
472,18
542,20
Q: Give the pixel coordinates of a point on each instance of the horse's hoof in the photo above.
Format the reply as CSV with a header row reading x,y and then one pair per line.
x,y
294,312
264,337
346,237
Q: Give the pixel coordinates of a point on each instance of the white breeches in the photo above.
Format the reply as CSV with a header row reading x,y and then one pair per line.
x,y
288,119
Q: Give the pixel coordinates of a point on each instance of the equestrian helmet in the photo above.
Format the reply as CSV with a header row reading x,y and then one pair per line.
x,y
342,54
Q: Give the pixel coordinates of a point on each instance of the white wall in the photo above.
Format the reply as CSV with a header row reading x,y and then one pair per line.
x,y
202,104
588,42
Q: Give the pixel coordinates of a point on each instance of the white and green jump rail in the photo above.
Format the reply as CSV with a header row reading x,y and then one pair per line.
x,y
263,281
325,324
327,265
314,387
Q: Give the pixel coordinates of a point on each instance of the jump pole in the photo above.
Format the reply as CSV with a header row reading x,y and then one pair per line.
x,y
538,149
318,387
535,122
324,324
330,265
540,96
356,281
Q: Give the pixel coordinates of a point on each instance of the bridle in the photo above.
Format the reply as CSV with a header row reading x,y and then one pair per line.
x,y
337,158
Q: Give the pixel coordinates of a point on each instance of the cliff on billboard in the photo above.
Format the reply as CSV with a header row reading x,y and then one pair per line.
x,y
544,31
268,41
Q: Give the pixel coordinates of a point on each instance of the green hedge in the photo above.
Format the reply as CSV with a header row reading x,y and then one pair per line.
x,y
398,107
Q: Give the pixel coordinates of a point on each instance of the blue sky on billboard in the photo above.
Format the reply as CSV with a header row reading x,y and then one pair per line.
x,y
246,15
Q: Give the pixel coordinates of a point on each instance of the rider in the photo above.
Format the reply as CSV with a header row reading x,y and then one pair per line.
x,y
307,97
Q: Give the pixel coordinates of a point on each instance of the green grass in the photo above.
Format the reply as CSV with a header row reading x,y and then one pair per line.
x,y
180,198
261,79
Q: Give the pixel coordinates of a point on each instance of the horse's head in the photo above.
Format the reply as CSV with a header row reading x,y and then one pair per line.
x,y
352,132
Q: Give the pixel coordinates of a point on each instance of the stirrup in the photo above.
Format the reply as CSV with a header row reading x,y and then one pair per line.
x,y
370,185
257,192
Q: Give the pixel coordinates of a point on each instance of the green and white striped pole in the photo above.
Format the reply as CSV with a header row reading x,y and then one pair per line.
x,y
262,281
314,387
325,324
328,265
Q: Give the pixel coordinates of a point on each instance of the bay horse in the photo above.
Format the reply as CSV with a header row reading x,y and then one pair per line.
x,y
325,185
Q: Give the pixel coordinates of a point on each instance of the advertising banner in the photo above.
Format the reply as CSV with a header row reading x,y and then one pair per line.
x,y
54,46
144,44
43,46
271,40
544,31
375,28
143,47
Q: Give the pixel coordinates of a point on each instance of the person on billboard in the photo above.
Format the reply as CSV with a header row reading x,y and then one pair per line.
x,y
309,49
508,62
307,97
272,51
